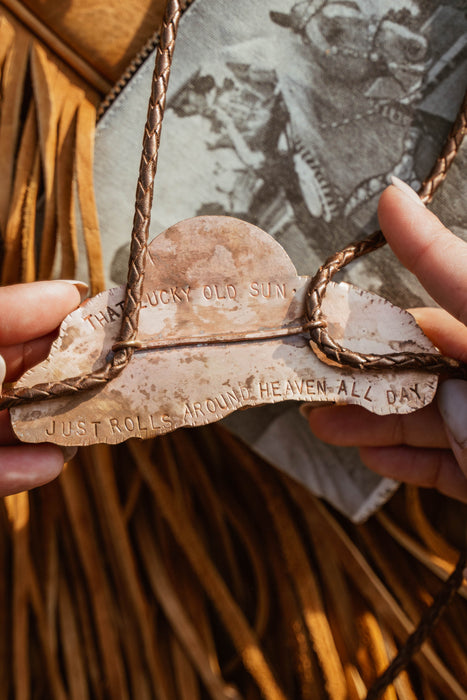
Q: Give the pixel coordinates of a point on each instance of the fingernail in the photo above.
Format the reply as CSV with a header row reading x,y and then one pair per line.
x,y
82,287
305,409
452,403
2,370
68,452
406,189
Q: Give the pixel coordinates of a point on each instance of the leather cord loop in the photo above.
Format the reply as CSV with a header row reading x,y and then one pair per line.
x,y
320,336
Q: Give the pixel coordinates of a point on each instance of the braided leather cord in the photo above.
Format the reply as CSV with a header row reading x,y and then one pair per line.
x,y
145,185
144,196
447,155
424,628
449,589
317,288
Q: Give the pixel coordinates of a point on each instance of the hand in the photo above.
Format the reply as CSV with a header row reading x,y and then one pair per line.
x,y
29,316
429,447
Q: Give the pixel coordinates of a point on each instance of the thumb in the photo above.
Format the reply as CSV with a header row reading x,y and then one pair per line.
x,y
452,404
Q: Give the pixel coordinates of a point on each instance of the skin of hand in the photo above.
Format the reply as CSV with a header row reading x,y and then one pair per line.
x,y
30,314
427,448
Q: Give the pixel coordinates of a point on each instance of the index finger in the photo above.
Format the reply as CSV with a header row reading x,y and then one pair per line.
x,y
32,310
427,248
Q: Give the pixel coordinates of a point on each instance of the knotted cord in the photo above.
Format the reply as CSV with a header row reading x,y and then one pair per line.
x,y
127,341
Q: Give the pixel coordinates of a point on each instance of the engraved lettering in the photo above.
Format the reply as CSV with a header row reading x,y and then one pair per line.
x,y
225,401
129,423
254,289
104,317
342,388
211,406
101,318
198,409
263,389
267,290
291,387
188,413
176,298
414,388
96,424
112,314
404,394
234,396
321,387
138,423
280,291
222,404
231,399
81,427
218,292
114,425
354,393
166,420
66,429
152,298
89,319
245,392
52,431
367,394
174,295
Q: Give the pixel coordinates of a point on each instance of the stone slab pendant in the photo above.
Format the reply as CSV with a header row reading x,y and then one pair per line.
x,y
221,328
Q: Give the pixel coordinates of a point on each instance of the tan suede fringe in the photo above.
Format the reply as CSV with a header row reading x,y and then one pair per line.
x,y
47,121
186,568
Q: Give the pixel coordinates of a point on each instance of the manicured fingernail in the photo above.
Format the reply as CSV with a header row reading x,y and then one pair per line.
x,y
68,452
452,403
406,189
82,287
305,409
2,370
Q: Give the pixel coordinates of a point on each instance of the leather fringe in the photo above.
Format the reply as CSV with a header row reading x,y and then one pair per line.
x,y
47,121
185,567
